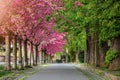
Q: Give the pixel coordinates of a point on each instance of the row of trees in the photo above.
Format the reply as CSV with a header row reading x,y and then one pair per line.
x,y
100,20
27,24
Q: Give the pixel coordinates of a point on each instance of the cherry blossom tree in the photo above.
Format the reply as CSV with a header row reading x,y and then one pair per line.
x,y
29,21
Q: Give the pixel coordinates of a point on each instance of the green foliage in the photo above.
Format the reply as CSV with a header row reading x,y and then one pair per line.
x,y
101,17
1,67
2,72
110,56
109,19
76,42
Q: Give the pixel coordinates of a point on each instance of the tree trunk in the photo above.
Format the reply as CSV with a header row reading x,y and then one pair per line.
x,y
42,57
66,55
97,55
15,52
31,53
77,57
46,58
92,50
36,55
20,54
25,53
115,46
33,56
66,58
103,49
49,60
87,51
7,57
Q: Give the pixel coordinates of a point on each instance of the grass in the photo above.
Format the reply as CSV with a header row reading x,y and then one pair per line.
x,y
113,72
4,73
19,74
93,73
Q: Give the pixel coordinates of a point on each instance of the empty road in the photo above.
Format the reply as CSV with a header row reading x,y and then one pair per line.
x,y
58,72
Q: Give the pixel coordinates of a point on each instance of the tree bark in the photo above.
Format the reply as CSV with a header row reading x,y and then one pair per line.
x,y
7,57
49,58
15,52
45,58
87,51
97,55
31,53
66,58
66,55
42,57
115,46
25,53
20,54
92,50
33,56
36,54
103,49
77,57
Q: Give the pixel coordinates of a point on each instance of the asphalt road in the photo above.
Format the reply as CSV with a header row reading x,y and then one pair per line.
x,y
59,72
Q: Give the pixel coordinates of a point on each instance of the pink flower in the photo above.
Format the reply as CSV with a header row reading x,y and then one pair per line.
x,y
77,3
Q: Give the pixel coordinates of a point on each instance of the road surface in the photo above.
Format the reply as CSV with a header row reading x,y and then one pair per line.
x,y
59,72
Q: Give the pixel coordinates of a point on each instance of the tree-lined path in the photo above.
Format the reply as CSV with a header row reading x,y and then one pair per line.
x,y
59,72
36,32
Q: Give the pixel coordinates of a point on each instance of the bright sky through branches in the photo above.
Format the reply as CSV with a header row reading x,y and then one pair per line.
x,y
4,5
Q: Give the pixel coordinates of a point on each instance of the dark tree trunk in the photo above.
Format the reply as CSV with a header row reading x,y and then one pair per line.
x,y
44,57
103,49
87,52
97,55
20,54
15,51
25,53
7,57
36,55
115,46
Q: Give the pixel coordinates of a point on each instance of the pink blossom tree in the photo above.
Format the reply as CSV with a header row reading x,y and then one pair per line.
x,y
26,20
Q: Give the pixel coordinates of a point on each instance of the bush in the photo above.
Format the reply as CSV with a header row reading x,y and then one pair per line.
x,y
1,67
110,56
2,72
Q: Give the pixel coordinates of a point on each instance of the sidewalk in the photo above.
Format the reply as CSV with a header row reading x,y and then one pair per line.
x,y
95,73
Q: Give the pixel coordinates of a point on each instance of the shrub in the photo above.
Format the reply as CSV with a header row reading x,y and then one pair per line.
x,y
110,56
